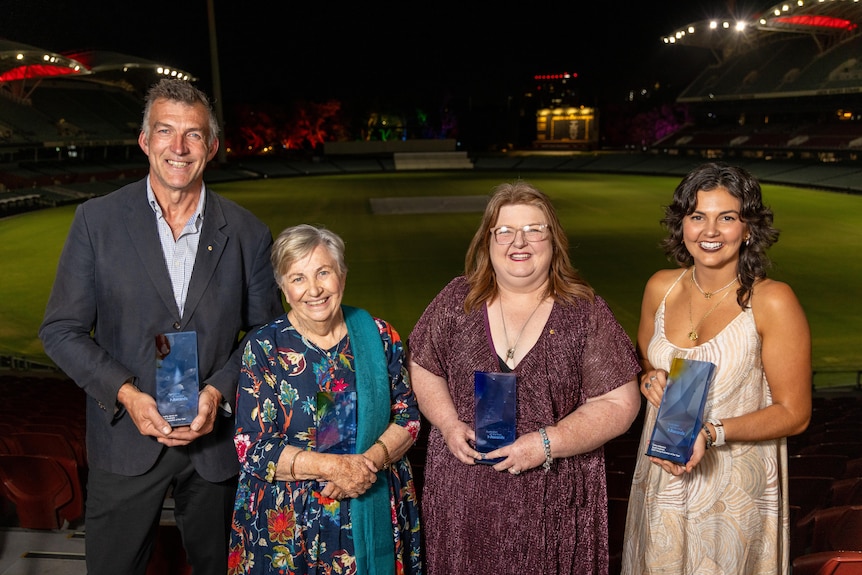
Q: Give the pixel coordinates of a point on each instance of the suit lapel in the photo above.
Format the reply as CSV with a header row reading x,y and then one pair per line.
x,y
210,249
141,225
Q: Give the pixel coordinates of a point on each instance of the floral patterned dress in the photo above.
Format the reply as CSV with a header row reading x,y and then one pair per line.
x,y
287,527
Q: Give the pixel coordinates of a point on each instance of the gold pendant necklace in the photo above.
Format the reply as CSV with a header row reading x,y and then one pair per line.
x,y
510,351
709,294
692,335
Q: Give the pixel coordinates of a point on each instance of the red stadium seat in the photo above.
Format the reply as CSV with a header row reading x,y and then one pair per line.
x,y
853,468
842,563
39,487
58,448
830,530
49,443
847,491
809,492
823,464
9,445
851,449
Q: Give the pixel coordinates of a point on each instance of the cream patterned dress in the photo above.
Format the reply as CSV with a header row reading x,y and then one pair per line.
x,y
730,516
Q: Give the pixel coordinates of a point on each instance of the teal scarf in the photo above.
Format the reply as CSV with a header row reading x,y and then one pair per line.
x,y
372,518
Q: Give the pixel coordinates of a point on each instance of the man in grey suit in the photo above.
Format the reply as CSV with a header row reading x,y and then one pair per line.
x,y
160,256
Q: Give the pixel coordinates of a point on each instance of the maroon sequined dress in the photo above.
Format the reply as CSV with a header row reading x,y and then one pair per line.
x,y
477,520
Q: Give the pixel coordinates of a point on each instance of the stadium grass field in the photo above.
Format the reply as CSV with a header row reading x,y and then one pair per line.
x,y
399,261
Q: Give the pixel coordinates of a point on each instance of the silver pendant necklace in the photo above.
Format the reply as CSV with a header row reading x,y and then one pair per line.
x,y
510,351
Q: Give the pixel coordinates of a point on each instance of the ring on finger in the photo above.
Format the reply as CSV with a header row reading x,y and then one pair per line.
x,y
513,471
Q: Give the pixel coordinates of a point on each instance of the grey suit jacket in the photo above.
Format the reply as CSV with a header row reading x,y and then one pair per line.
x,y
113,295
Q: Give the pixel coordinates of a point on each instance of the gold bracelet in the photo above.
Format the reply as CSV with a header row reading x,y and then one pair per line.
x,y
293,464
385,453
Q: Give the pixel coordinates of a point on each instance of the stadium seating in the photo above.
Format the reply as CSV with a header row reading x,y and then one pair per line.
x,y
824,464
842,563
846,491
831,530
432,161
852,449
827,72
810,492
40,487
853,468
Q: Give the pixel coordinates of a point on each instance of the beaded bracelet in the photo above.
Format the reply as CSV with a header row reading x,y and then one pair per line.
x,y
709,440
385,453
293,464
546,443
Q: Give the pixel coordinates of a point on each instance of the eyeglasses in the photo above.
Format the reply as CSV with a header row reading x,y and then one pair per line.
x,y
505,235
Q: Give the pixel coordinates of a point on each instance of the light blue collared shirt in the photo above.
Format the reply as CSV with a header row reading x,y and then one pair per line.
x,y
180,253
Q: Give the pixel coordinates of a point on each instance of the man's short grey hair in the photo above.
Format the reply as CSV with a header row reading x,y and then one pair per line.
x,y
179,91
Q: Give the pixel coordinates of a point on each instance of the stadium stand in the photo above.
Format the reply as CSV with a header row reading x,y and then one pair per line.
x,y
781,99
80,106
432,161
784,85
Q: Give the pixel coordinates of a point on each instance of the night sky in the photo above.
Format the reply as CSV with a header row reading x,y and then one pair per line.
x,y
275,51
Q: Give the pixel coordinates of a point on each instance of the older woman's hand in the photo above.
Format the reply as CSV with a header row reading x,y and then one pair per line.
x,y
348,476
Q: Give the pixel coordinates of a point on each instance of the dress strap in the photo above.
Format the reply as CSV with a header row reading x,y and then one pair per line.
x,y
673,285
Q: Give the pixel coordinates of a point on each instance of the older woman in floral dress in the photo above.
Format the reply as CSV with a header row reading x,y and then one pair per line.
x,y
312,498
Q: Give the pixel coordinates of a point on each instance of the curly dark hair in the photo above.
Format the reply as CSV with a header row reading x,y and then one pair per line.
x,y
753,261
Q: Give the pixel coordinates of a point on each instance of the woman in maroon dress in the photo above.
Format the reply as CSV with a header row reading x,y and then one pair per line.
x,y
521,307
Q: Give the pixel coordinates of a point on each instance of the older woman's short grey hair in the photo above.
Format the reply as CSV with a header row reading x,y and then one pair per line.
x,y
296,242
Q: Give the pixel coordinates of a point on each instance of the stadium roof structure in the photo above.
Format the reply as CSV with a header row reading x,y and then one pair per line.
x,y
22,63
113,65
827,22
